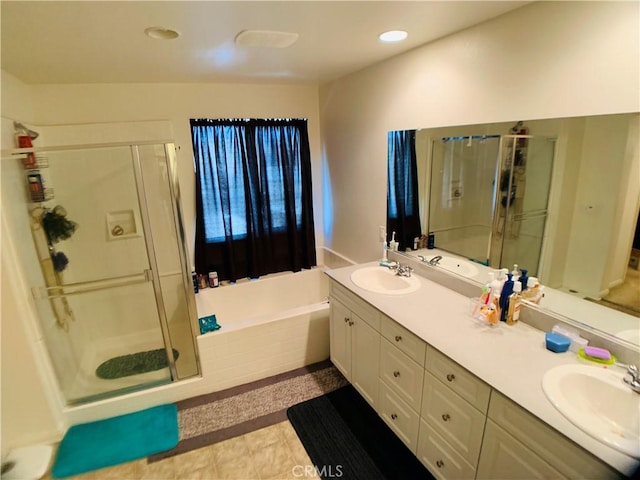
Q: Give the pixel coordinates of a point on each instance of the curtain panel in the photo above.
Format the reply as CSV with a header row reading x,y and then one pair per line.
x,y
403,214
254,200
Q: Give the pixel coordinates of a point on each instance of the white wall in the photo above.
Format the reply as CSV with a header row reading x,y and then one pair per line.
x,y
546,60
177,103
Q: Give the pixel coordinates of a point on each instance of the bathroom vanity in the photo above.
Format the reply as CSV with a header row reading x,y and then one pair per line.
x,y
465,398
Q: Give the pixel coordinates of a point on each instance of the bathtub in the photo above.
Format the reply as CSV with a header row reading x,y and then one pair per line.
x,y
269,326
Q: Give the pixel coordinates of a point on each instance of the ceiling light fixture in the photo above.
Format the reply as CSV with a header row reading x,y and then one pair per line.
x,y
161,33
393,36
266,38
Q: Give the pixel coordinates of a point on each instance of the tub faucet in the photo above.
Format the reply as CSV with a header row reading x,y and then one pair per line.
x,y
633,378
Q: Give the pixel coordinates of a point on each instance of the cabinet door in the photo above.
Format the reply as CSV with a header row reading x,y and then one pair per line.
x,y
503,456
365,359
341,337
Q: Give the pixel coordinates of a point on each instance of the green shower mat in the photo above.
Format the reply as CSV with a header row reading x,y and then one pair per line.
x,y
104,443
134,363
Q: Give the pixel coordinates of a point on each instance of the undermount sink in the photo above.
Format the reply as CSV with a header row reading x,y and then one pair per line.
x,y
596,400
457,265
384,280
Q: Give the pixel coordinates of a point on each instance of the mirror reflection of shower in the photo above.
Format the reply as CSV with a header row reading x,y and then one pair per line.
x,y
488,196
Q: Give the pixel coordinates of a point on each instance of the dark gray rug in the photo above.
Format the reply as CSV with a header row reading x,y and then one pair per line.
x,y
134,363
346,438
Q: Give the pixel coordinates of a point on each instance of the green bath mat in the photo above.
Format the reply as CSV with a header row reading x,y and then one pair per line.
x,y
104,443
135,363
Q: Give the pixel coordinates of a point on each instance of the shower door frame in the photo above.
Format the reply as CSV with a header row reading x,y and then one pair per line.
x,y
152,274
506,222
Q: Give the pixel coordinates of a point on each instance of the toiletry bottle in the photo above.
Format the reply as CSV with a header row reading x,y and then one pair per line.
x,y
213,279
515,273
384,253
507,290
194,278
513,313
524,279
393,245
416,243
431,241
532,289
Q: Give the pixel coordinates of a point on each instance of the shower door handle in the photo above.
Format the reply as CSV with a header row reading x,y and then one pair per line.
x,y
59,291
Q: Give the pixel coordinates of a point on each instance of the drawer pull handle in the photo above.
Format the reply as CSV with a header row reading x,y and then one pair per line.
x,y
440,463
451,377
398,338
393,416
446,417
396,374
346,319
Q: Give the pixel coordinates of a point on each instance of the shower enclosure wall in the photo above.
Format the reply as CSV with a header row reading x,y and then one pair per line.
x,y
114,298
489,195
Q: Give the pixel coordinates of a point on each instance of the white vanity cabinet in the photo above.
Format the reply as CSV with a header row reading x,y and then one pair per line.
x,y
401,379
455,424
518,445
355,342
454,409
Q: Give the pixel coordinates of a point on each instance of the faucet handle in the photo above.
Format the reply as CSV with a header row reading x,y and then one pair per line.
x,y
633,371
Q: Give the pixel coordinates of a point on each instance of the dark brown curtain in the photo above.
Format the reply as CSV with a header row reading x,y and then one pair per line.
x,y
253,197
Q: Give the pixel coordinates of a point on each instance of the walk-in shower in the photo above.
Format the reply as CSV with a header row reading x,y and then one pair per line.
x,y
489,196
99,241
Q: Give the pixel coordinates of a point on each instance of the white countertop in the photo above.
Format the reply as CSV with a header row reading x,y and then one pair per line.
x,y
570,306
511,359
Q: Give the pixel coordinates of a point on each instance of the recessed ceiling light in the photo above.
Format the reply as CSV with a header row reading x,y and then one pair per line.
x,y
161,33
266,38
393,36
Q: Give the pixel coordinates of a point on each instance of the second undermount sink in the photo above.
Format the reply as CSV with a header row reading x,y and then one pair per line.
x,y
596,400
383,280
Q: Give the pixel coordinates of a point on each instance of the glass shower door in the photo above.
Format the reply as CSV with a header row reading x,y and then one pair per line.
x,y
84,251
521,206
463,172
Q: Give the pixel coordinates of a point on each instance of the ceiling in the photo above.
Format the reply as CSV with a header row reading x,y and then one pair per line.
x,y
104,42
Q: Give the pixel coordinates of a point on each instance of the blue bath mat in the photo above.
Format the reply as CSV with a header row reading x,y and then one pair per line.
x,y
104,443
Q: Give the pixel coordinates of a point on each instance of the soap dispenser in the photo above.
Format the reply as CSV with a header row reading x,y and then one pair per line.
x,y
524,278
507,290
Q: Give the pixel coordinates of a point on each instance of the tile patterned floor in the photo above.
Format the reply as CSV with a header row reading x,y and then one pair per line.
x,y
272,453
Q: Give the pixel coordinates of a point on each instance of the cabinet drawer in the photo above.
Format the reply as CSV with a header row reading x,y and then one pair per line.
x,y
402,338
358,306
453,418
401,374
401,418
553,447
465,384
439,457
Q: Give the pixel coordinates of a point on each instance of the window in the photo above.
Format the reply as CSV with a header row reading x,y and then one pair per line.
x,y
254,197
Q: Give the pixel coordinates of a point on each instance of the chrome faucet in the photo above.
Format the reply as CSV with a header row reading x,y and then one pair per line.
x,y
633,378
434,261
402,270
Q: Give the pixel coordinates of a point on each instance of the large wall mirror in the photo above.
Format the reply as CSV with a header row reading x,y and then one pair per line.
x,y
560,197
